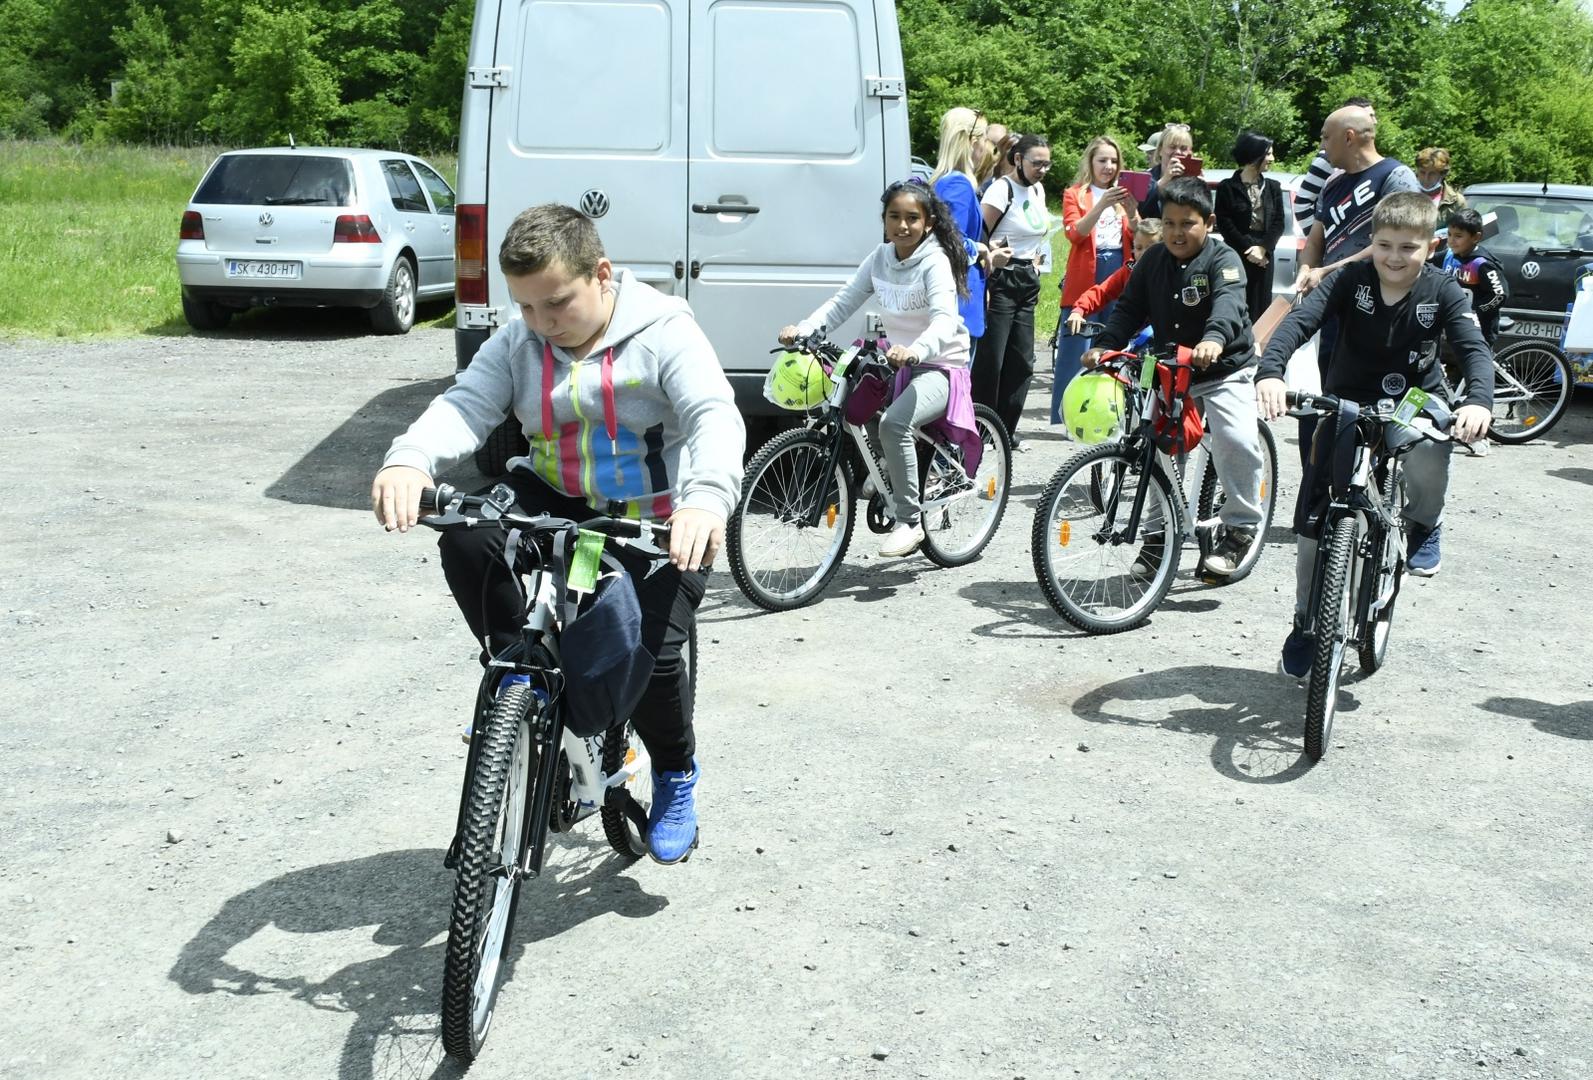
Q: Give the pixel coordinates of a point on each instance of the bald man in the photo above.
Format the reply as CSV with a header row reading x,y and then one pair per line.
x,y
1342,231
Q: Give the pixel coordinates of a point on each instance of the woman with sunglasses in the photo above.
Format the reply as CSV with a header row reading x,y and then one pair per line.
x,y
964,147
1015,216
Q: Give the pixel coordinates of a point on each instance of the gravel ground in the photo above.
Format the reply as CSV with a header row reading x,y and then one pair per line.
x,y
944,835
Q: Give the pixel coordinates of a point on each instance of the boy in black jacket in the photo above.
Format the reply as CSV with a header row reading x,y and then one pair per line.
x,y
1477,271
1192,292
1391,311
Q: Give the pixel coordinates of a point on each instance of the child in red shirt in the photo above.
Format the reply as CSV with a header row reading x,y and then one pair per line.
x,y
1147,231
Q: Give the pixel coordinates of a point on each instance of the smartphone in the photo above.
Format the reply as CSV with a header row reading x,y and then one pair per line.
x,y
1138,183
1192,164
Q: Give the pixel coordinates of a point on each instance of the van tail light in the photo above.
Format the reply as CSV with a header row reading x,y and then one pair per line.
x,y
470,253
193,227
354,229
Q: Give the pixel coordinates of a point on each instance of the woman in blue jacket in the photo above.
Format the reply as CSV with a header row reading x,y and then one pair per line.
x,y
964,145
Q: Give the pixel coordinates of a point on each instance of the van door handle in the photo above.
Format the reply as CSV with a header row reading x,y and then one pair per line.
x,y
722,208
680,269
696,268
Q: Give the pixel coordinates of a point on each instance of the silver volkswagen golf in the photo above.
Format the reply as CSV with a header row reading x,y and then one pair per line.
x,y
316,227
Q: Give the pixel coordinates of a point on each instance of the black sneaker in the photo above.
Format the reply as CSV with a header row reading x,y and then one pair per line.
x,y
1299,649
1230,551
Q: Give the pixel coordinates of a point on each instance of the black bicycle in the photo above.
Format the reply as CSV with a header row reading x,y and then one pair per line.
x,y
526,774
792,526
1110,526
1360,556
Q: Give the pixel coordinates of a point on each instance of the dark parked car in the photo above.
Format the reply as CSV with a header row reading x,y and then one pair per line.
x,y
1545,240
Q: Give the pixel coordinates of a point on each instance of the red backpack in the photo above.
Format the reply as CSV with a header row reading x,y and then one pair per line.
x,y
1176,424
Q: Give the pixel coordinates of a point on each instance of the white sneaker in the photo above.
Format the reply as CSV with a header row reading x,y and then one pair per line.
x,y
903,540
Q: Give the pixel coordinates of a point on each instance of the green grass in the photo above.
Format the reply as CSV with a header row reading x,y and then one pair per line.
x,y
91,238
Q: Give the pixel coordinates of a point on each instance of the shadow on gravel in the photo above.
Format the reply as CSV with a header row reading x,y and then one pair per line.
x,y
337,471
861,584
1580,476
402,899
1255,717
1021,610
1573,721
297,324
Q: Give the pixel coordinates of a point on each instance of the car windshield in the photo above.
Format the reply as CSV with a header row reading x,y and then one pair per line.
x,y
1542,222
277,180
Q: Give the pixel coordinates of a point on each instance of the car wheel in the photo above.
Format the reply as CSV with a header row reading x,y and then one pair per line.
x,y
396,313
205,314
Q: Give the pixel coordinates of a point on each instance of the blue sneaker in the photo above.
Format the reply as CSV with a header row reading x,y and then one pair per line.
x,y
1423,549
511,679
1298,651
672,820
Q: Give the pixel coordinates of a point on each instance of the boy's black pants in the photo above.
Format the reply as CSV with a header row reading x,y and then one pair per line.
x,y
489,598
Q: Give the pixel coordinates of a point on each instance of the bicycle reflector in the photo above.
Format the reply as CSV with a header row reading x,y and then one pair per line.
x,y
1093,405
797,382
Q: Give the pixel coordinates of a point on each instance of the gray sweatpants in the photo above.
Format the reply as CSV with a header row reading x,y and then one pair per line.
x,y
1229,408
924,400
1426,470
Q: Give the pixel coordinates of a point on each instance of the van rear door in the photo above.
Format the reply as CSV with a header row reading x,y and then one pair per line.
x,y
787,160
595,118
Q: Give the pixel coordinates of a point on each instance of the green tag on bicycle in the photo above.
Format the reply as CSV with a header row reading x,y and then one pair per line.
x,y
586,560
845,362
1147,372
1410,406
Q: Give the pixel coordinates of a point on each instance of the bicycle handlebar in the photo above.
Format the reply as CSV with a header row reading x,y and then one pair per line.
x,y
444,499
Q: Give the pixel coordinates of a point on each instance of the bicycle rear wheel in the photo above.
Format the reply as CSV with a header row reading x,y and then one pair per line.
x,y
1390,574
1212,498
777,557
1334,612
1531,390
493,842
1093,573
957,533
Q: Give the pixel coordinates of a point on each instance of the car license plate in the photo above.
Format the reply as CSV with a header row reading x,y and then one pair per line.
x,y
260,268
1549,331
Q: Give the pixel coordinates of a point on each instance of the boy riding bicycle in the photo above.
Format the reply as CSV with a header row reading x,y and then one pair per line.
x,y
628,414
1391,311
1192,292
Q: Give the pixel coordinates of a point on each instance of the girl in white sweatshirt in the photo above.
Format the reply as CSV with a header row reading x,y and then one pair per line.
x,y
916,275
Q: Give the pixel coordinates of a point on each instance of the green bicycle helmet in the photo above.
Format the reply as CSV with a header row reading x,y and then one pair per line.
x,y
798,382
1093,406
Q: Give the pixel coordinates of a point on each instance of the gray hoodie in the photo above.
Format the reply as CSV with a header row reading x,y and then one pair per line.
x,y
656,431
917,299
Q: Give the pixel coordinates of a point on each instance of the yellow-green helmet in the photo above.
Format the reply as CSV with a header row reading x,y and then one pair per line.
x,y
1093,405
798,382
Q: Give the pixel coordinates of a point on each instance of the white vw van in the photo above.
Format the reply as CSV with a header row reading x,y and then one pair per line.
x,y
731,152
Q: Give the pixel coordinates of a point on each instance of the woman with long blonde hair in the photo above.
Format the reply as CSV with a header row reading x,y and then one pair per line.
x,y
964,146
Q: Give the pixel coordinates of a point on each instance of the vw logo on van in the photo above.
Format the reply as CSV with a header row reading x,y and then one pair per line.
x,y
1530,270
266,220
594,204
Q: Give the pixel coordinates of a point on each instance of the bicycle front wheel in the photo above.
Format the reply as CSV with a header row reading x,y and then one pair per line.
x,y
1334,612
1212,497
1097,573
780,556
969,510
492,845
1531,389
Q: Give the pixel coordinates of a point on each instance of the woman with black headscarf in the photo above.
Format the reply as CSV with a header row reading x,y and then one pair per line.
x,y
1249,209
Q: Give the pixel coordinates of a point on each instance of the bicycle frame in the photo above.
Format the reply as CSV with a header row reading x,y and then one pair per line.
x,y
1363,498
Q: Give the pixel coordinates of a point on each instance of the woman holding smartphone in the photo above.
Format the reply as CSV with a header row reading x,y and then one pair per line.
x,y
1099,216
1177,158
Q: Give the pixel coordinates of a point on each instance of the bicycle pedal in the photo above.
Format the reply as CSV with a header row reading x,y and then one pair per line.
x,y
451,857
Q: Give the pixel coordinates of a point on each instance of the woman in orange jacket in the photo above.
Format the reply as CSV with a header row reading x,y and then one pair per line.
x,y
1098,215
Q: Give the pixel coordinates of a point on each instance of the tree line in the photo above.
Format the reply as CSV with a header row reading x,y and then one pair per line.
x,y
1505,85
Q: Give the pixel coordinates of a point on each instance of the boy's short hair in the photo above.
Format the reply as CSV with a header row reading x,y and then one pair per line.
x,y
1149,226
1408,211
1189,191
551,231
1466,220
